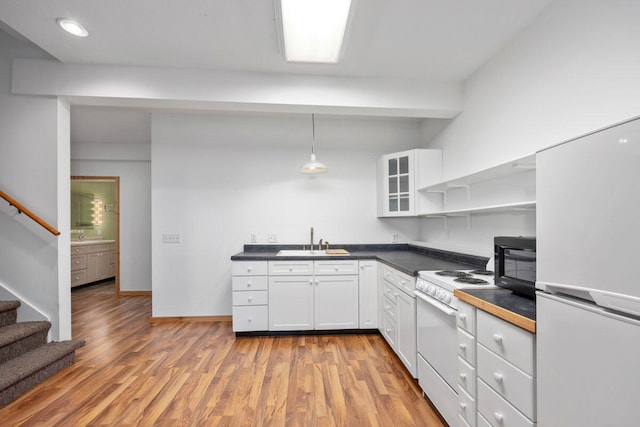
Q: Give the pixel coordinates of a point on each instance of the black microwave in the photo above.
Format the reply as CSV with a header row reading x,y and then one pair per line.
x,y
515,264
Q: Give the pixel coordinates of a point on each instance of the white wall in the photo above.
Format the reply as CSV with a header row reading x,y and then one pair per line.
x,y
218,178
30,147
574,70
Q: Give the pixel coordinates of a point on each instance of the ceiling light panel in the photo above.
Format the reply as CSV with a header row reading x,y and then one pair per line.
x,y
72,27
314,30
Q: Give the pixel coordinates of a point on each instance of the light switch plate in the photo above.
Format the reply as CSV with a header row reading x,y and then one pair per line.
x,y
171,238
273,238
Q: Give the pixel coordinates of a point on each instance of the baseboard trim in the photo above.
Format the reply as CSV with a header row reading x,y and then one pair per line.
x,y
191,319
134,293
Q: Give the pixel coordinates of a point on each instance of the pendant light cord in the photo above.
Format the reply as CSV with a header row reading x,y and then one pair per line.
x,y
313,133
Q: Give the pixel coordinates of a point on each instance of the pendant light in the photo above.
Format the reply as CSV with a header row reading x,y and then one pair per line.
x,y
313,166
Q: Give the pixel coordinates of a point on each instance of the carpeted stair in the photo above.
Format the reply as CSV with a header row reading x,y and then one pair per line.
x,y
26,359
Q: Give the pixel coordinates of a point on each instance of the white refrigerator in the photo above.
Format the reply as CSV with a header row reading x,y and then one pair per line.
x,y
588,280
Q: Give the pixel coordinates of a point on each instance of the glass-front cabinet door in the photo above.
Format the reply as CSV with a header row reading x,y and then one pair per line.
x,y
399,198
396,184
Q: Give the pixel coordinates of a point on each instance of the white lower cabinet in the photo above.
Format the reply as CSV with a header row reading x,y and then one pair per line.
x,y
496,371
250,296
398,309
297,295
467,392
291,303
368,295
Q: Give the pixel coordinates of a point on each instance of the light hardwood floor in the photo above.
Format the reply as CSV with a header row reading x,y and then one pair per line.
x,y
132,372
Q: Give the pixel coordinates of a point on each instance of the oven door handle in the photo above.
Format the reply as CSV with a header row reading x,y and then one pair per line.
x,y
437,304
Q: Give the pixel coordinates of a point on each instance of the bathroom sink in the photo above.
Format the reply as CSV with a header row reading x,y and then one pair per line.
x,y
301,252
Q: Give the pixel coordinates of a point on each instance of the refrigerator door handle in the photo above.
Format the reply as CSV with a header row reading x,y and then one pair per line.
x,y
610,300
594,308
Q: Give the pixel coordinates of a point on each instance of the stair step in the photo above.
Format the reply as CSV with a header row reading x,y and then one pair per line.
x,y
29,369
8,312
22,337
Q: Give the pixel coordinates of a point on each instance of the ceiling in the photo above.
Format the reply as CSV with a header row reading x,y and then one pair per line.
x,y
439,40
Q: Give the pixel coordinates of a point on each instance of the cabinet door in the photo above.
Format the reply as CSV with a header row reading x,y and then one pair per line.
x,y
336,302
290,303
406,349
368,298
94,267
396,184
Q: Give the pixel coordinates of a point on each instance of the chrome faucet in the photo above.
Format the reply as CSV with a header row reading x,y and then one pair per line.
x,y
311,244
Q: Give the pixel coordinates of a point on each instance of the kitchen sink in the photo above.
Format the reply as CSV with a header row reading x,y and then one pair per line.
x,y
301,252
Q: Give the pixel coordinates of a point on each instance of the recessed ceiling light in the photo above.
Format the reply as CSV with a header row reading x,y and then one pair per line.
x,y
313,30
72,27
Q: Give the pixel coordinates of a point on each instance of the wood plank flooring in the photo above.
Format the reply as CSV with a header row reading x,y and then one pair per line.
x,y
136,373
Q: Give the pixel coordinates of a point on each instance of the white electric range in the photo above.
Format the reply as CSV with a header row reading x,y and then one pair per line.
x,y
437,341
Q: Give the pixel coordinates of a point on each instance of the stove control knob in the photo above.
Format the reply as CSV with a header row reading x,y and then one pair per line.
x,y
447,298
431,290
439,294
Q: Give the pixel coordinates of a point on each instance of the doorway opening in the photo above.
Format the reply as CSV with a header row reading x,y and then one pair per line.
x,y
95,219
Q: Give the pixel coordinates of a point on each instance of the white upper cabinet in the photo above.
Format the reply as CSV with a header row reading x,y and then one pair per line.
x,y
400,174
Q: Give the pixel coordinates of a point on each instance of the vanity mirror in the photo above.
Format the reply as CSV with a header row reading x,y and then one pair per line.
x,y
81,210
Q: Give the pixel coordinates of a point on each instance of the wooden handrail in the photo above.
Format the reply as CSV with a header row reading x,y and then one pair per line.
x,y
27,212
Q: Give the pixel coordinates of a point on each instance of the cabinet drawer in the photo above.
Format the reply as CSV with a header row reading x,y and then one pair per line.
x,y
335,267
389,274
497,410
508,341
250,318
78,262
76,250
250,298
510,382
93,249
246,283
249,268
405,282
467,376
389,330
466,407
78,277
290,268
466,317
467,347
390,291
390,308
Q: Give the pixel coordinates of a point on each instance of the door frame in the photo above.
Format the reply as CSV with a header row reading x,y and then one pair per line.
x,y
116,181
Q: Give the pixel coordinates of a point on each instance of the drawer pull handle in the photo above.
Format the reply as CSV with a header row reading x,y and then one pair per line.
x,y
388,330
248,284
497,338
250,299
311,282
463,347
463,376
248,269
462,317
250,319
498,416
498,377
463,406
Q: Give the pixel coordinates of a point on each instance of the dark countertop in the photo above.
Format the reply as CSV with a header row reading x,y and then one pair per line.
x,y
503,303
409,259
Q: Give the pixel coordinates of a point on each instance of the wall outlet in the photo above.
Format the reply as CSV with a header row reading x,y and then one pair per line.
x,y
254,238
171,238
273,238
395,238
